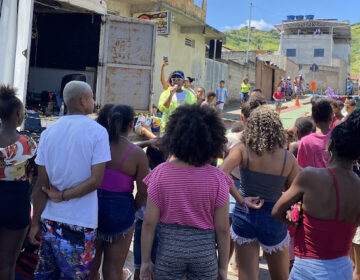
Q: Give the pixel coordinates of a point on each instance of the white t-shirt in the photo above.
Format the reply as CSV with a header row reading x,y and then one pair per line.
x,y
233,139
180,97
68,149
145,120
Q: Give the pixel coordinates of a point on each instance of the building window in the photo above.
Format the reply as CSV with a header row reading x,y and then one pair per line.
x,y
291,52
319,52
190,42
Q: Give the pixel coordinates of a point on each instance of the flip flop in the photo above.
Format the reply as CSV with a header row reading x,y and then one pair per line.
x,y
129,274
231,271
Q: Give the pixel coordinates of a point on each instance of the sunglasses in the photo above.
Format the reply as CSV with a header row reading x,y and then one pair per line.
x,y
176,79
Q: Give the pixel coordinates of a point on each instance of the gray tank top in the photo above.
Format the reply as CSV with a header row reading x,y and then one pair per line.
x,y
267,186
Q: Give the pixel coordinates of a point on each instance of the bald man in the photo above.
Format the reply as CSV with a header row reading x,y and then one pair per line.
x,y
71,160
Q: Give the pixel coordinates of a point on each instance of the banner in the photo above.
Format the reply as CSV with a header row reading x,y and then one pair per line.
x,y
163,20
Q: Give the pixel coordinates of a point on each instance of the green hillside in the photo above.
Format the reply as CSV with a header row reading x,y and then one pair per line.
x,y
269,40
355,48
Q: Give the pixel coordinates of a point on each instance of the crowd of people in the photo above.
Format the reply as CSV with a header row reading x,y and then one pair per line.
x,y
293,193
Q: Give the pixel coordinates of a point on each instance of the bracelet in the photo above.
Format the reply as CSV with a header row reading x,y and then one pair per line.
x,y
62,195
243,204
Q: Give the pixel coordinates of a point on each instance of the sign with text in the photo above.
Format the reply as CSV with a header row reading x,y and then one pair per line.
x,y
163,20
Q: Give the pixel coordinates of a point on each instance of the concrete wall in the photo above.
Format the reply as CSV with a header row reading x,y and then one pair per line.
x,y
328,76
236,73
238,56
342,50
291,68
188,7
181,57
119,8
305,45
343,73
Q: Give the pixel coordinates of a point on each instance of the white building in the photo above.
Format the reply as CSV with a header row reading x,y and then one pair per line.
x,y
324,42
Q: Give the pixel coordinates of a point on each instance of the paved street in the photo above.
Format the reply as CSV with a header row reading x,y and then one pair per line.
x,y
288,115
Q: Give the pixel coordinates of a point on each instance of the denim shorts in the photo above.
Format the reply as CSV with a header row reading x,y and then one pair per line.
x,y
232,199
244,96
259,226
311,269
116,214
137,244
279,102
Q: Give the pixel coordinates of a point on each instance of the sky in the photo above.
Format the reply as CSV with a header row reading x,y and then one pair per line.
x,y
234,14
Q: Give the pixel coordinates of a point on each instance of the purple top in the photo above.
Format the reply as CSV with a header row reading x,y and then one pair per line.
x,y
117,181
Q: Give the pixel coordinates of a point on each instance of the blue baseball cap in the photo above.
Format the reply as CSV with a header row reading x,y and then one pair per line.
x,y
181,75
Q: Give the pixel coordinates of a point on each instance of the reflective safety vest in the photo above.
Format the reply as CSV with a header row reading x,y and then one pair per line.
x,y
189,99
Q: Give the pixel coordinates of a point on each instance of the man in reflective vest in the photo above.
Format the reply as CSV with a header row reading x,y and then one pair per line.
x,y
174,96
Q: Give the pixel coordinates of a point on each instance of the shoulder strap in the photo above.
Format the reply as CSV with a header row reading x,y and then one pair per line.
x,y
247,159
336,184
284,164
126,155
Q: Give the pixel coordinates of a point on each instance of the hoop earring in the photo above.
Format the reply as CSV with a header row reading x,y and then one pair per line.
x,y
331,154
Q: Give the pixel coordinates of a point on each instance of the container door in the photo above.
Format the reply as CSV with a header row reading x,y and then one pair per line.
x,y
23,44
127,62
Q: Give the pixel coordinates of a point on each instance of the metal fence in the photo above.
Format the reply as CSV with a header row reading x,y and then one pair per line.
x,y
215,72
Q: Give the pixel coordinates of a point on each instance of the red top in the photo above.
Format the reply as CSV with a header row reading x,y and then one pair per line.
x,y
279,95
324,239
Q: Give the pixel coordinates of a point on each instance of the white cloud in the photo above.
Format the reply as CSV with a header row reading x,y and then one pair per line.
x,y
258,24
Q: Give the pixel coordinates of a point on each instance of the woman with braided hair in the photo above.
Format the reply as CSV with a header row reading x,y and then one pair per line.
x,y
266,169
331,209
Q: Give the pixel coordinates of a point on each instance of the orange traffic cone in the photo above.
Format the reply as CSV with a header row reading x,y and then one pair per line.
x,y
297,101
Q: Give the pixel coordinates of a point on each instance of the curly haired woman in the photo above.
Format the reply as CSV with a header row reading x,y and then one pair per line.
x,y
191,200
266,168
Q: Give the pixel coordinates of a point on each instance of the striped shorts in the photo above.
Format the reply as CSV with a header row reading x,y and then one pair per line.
x,y
186,252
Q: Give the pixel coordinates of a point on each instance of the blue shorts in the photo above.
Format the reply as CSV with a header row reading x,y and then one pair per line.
x,y
116,214
232,199
155,129
311,269
258,225
137,244
279,102
244,96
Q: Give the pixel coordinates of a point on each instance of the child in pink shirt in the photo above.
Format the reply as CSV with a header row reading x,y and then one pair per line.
x,y
189,198
279,97
312,148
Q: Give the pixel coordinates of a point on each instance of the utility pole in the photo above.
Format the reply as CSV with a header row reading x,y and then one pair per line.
x,y
280,60
248,38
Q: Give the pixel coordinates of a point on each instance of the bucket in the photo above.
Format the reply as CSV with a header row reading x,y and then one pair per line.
x,y
309,16
290,17
299,17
